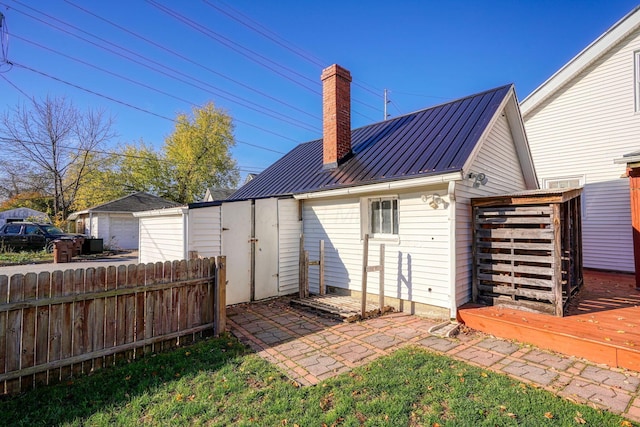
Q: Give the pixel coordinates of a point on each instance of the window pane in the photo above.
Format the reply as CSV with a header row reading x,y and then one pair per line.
x,y
395,217
386,217
375,216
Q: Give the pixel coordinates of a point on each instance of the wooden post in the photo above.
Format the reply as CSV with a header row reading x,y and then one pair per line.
x,y
474,254
306,274
301,264
365,260
557,260
220,315
634,188
321,266
381,292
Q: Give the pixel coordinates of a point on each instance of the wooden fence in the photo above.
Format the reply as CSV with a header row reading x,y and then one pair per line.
x,y
57,325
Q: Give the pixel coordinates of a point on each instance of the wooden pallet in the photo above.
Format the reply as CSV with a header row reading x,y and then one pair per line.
x,y
343,307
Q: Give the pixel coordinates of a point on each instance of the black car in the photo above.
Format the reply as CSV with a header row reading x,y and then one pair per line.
x,y
20,236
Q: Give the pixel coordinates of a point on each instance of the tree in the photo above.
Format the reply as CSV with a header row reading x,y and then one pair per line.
x,y
55,140
197,154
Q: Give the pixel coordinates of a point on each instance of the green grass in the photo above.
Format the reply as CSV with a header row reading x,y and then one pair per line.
x,y
26,257
216,382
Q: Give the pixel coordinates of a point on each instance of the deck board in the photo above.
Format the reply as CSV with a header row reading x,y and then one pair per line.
x,y
602,323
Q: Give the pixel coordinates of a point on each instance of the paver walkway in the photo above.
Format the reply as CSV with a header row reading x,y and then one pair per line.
x,y
310,348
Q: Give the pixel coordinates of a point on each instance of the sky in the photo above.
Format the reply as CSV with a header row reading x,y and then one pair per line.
x,y
145,61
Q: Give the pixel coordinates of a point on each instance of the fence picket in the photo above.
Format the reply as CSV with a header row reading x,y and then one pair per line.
x,y
110,314
43,327
28,337
14,330
4,295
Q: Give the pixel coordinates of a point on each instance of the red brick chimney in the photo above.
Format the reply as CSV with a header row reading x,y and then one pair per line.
x,y
336,115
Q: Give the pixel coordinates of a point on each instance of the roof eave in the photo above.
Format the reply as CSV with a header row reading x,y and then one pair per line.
x,y
586,57
383,186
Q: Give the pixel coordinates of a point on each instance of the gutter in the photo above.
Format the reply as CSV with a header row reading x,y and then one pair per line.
x,y
391,185
161,212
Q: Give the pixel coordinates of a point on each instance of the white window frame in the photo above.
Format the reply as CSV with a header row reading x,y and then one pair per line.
x,y
581,181
367,226
636,80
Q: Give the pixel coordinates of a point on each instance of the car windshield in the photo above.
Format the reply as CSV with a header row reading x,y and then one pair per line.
x,y
50,229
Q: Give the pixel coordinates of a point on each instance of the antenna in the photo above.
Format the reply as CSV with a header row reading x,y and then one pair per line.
x,y
386,101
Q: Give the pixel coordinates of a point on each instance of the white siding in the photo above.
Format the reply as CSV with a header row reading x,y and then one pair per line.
x,y
497,159
579,131
205,231
416,266
289,229
161,238
123,231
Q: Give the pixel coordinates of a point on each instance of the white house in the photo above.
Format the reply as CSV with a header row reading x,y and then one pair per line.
x,y
407,182
582,119
114,221
21,214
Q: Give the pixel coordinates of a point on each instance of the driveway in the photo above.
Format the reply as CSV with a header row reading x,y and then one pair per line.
x,y
116,259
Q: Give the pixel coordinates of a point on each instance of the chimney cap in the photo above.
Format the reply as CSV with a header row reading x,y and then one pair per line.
x,y
333,70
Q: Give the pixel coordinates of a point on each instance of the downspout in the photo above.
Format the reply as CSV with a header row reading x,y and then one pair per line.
x,y
91,224
452,250
252,242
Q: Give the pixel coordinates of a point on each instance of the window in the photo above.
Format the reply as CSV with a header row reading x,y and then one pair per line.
x,y
636,79
563,183
383,216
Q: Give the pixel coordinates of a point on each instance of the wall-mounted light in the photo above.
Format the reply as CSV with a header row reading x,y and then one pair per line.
x,y
478,179
434,200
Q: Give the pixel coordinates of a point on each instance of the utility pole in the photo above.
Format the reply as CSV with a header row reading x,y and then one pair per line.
x,y
386,101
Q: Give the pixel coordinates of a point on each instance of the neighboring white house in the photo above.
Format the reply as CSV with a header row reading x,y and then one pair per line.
x,y
578,122
21,214
407,182
114,222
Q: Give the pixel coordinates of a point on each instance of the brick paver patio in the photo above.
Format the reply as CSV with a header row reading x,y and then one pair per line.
x,y
310,348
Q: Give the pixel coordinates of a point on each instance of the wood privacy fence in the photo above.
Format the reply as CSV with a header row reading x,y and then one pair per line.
x,y
56,325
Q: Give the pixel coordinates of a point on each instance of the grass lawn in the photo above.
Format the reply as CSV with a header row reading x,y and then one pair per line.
x,y
13,258
216,382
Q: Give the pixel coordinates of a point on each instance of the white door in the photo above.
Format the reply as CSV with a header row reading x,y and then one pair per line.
x,y
236,246
266,248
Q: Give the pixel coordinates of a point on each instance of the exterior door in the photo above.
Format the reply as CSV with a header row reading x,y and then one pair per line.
x,y
236,246
266,248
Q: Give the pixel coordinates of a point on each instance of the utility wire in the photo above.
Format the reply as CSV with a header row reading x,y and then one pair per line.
x,y
188,80
179,55
14,86
126,104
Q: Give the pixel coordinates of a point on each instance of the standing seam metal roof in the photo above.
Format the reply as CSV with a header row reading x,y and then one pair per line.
x,y
428,142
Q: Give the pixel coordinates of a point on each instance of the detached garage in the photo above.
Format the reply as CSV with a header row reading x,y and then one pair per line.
x,y
114,222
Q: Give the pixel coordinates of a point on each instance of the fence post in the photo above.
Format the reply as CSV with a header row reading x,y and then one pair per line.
x,y
381,291
365,263
302,266
220,315
321,266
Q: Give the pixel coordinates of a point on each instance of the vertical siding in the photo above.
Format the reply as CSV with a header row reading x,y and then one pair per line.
x,y
289,229
416,265
579,132
205,231
498,160
161,238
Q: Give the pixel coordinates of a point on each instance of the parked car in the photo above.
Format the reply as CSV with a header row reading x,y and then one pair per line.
x,y
20,236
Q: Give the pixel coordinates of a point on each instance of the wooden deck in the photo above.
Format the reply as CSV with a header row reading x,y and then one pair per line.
x,y
602,323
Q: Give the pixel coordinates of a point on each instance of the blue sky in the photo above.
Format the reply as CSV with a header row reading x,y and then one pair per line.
x,y
423,52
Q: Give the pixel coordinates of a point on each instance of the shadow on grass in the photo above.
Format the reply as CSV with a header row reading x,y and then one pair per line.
x,y
81,397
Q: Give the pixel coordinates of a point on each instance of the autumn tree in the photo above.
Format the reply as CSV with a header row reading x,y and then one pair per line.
x,y
55,140
197,154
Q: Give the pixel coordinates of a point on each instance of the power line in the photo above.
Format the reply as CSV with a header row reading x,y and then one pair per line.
x,y
126,104
14,86
179,55
229,96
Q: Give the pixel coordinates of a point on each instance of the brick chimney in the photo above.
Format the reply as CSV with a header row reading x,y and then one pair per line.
x,y
336,115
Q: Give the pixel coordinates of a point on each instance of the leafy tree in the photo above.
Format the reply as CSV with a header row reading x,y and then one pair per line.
x,y
55,140
197,154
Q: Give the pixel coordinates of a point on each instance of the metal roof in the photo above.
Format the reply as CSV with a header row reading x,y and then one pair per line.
x,y
428,142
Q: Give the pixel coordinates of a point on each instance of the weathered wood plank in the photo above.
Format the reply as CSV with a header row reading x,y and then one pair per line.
x,y
557,254
89,326
42,327
516,258
515,280
518,292
139,301
78,321
514,210
510,268
517,220
110,313
56,323
14,331
4,296
516,245
149,303
534,306
517,233
97,343
28,334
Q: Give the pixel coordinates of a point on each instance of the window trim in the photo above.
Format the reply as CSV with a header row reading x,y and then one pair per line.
x,y
367,225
